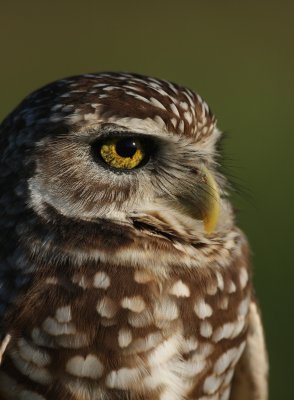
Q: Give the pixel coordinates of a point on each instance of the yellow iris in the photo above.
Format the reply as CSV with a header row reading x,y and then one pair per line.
x,y
116,153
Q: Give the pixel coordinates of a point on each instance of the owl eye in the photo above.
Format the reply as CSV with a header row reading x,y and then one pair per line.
x,y
123,152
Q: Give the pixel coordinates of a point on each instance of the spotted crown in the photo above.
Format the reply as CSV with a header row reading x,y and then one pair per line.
x,y
111,96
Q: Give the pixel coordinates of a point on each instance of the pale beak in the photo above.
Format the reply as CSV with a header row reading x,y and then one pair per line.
x,y
202,201
212,211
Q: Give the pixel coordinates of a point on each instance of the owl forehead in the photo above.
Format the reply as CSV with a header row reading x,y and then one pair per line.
x,y
119,97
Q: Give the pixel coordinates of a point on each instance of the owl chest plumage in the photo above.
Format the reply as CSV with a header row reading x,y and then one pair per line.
x,y
124,332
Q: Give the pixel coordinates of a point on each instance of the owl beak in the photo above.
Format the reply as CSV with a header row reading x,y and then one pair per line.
x,y
212,209
202,202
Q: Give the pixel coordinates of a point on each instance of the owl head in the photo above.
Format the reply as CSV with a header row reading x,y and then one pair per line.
x,y
130,149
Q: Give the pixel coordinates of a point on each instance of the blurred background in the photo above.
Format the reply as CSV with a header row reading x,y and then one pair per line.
x,y
239,56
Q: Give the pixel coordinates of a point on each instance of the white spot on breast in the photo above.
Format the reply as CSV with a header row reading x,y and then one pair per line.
x,y
32,354
229,330
220,281
194,366
202,309
37,374
29,395
51,326
179,289
232,287
89,367
140,320
146,343
107,307
211,289
224,361
224,303
211,384
123,378
189,344
166,310
164,352
205,350
205,329
135,304
243,307
142,277
101,280
124,337
224,332
243,277
63,314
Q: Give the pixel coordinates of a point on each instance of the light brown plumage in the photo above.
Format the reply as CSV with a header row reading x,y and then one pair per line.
x,y
112,288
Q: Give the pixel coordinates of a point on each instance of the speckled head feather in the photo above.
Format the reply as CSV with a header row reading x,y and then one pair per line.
x,y
120,283
112,96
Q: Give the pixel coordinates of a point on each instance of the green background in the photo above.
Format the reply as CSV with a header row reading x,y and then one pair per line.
x,y
239,56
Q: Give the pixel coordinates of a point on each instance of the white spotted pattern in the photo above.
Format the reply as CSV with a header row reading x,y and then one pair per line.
x,y
202,309
135,303
123,378
63,314
32,354
205,329
179,289
225,360
53,327
124,337
106,307
166,310
243,277
101,280
89,367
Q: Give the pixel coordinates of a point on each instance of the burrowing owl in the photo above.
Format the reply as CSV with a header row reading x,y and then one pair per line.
x,y
123,275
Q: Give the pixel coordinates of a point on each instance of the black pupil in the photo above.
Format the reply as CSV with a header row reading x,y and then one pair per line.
x,y
126,147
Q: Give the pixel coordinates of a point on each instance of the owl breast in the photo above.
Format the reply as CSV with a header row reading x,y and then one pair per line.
x,y
101,329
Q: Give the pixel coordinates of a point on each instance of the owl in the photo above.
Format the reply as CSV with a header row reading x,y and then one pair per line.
x,y
122,273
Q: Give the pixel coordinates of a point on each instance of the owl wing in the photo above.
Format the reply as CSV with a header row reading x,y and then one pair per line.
x,y
251,375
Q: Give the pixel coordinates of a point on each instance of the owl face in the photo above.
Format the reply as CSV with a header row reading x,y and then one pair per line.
x,y
124,149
